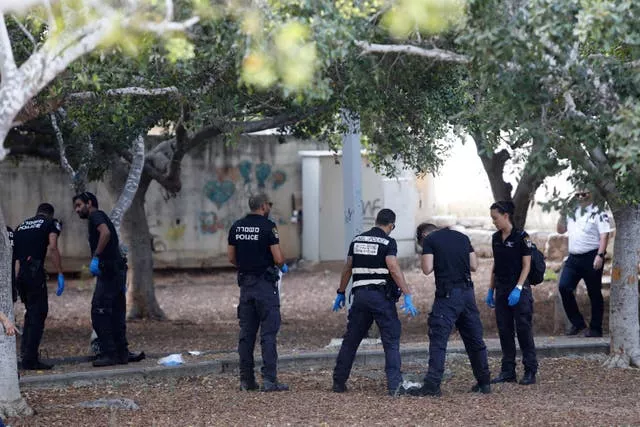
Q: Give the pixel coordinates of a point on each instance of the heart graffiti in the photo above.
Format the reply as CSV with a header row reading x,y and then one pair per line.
x,y
219,192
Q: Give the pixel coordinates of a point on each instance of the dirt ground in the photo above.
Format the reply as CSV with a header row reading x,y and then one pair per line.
x,y
570,391
202,312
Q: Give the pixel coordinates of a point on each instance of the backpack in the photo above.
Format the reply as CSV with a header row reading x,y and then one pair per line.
x,y
538,265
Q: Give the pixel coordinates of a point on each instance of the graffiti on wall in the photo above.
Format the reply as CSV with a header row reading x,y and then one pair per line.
x,y
231,189
370,209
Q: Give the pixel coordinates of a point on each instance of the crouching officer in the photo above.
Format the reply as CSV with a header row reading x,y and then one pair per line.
x,y
254,248
450,255
377,284
108,305
33,239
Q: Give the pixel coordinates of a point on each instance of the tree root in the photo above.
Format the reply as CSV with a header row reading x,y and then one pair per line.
x,y
155,313
617,360
17,408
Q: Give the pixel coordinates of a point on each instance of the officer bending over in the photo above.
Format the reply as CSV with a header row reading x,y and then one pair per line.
x,y
108,305
376,278
33,239
254,248
451,257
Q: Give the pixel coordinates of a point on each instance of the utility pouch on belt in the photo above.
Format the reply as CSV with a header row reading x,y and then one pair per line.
x,y
30,277
391,290
272,274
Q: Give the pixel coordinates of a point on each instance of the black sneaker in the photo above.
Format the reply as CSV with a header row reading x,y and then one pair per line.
x,y
339,387
575,330
592,333
528,379
481,388
269,386
425,390
401,390
249,385
505,377
36,366
136,357
104,361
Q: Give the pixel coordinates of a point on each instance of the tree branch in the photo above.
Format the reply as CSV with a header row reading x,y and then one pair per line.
x,y
131,185
435,53
64,162
27,33
7,62
133,91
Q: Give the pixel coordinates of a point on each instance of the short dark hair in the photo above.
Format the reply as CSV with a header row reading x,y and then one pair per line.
x,y
45,208
423,229
256,201
385,217
504,207
86,196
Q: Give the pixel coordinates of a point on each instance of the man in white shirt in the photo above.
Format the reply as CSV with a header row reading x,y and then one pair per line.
x,y
588,237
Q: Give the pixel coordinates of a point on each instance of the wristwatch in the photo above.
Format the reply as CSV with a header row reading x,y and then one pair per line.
x,y
338,292
601,254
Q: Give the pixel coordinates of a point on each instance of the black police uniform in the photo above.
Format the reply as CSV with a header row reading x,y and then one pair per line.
x,y
371,302
454,305
31,240
108,305
259,306
14,291
507,256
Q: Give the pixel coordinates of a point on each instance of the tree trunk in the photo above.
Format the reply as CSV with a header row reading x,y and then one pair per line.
x,y
623,320
141,296
493,164
11,403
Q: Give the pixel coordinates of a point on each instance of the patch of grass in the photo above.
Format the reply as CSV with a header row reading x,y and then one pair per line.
x,y
550,275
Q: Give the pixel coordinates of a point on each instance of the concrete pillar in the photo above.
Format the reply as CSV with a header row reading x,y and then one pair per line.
x,y
311,181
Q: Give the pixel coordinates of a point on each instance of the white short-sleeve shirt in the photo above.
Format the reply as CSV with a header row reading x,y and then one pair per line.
x,y
585,229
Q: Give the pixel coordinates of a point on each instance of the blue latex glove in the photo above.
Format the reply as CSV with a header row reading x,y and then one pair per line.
x,y
514,296
284,268
408,306
60,284
490,300
94,266
339,302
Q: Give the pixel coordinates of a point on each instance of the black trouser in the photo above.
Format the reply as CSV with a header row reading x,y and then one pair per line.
x,y
520,315
259,307
36,303
581,267
456,308
369,305
108,313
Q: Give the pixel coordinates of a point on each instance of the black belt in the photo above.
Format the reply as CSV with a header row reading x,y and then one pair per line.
x,y
379,287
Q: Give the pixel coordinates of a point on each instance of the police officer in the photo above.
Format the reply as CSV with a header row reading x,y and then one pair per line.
x,y
14,291
588,237
108,305
254,248
33,239
451,257
377,282
510,294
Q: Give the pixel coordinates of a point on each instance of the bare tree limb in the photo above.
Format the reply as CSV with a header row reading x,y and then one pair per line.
x,y
27,33
166,27
169,7
131,185
133,91
7,62
435,53
64,162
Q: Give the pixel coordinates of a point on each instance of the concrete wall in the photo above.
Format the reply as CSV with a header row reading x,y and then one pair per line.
x,y
323,224
191,229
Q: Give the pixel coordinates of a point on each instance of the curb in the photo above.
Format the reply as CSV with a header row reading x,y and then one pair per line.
x,y
545,347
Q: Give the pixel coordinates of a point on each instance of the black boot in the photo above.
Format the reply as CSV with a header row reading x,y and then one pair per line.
x,y
427,389
339,387
249,385
505,377
35,366
528,379
481,388
104,360
269,386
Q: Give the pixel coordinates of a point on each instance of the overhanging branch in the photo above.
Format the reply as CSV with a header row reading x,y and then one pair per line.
x,y
434,53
